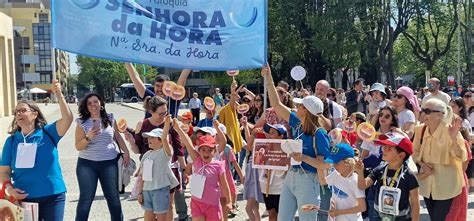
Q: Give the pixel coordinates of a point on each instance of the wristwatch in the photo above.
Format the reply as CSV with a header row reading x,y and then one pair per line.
x,y
87,138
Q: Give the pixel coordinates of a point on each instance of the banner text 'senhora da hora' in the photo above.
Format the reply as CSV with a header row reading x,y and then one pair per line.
x,y
161,26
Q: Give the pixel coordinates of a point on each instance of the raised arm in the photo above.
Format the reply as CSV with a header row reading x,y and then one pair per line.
x,y
137,82
185,140
281,110
233,95
183,77
63,124
220,136
164,136
362,183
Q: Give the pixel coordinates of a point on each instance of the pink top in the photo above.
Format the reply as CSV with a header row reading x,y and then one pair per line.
x,y
211,171
272,118
228,173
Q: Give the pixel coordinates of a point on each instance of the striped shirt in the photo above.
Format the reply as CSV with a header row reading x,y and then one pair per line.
x,y
102,146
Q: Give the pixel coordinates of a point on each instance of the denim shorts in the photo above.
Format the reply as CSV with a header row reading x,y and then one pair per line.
x,y
157,201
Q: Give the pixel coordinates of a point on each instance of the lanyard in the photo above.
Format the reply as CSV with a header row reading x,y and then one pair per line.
x,y
394,178
24,137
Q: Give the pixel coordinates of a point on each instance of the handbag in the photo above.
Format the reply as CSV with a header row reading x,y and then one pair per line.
x,y
9,211
124,172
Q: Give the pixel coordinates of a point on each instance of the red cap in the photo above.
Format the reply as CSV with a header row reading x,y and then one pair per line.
x,y
207,141
396,140
186,116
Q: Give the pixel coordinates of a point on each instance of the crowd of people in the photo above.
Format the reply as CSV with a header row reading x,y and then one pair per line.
x,y
421,146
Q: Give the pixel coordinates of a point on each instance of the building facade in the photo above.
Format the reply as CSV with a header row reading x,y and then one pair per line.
x,y
7,66
37,63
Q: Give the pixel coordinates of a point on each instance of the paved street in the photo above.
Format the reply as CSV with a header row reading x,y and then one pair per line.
x,y
99,211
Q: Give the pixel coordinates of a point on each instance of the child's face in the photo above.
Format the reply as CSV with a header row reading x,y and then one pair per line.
x,y
342,166
390,154
186,121
207,153
273,134
154,142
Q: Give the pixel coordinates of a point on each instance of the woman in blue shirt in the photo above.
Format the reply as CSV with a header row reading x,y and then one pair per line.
x,y
30,157
301,183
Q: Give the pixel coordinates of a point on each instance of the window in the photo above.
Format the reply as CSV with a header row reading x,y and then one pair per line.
x,y
42,43
43,18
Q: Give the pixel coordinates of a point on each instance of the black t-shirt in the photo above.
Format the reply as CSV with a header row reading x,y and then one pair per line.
x,y
407,183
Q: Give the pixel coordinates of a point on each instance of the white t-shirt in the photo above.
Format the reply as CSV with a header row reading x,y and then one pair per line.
x,y
406,116
345,193
466,124
371,147
277,179
336,109
441,95
471,118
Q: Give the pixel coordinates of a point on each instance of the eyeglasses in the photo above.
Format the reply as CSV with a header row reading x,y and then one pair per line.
x,y
399,96
429,111
386,116
162,114
258,100
22,111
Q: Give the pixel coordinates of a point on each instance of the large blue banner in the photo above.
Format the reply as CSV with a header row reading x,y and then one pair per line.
x,y
198,34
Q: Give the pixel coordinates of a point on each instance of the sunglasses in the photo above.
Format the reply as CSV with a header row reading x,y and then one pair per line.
x,y
246,101
468,95
399,96
386,116
428,111
258,100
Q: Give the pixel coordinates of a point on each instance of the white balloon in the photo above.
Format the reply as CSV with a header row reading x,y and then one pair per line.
x,y
298,73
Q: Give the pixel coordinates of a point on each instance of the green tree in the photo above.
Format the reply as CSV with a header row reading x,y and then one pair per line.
x,y
432,30
103,75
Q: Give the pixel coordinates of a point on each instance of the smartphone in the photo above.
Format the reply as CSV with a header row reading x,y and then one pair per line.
x,y
95,124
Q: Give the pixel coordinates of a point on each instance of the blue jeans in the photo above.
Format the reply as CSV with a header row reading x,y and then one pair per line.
x,y
300,188
373,215
88,173
325,202
50,207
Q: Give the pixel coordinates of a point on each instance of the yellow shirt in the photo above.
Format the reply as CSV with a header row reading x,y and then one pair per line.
x,y
438,148
228,117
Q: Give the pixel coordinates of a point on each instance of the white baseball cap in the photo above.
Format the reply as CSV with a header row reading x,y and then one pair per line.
x,y
313,104
208,130
154,133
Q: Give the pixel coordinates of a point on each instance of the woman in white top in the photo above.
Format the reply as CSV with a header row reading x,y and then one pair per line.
x,y
406,103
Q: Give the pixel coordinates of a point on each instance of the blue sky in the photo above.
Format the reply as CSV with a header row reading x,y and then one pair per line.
x,y
72,63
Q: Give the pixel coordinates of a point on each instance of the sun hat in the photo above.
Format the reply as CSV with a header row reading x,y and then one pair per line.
x,y
313,104
408,93
378,87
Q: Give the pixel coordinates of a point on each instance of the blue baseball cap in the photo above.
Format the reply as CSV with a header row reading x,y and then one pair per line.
x,y
339,152
280,128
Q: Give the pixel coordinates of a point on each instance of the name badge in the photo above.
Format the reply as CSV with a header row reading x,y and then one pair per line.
x,y
196,184
148,170
26,155
389,199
